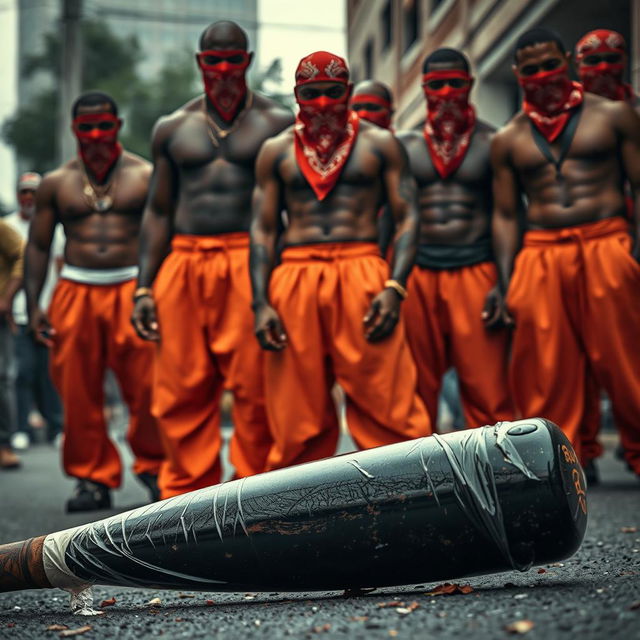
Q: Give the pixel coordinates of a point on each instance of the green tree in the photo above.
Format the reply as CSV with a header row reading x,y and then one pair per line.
x,y
175,84
109,64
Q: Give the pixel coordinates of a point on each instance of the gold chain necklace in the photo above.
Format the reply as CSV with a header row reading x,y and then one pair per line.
x,y
98,196
219,131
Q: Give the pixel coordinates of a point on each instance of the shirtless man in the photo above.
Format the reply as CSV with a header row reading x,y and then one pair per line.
x,y
373,102
454,272
573,291
198,312
601,60
330,312
99,198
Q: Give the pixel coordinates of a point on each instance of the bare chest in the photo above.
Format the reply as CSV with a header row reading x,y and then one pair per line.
x,y
77,198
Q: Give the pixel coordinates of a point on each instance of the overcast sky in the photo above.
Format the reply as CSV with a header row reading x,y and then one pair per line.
x,y
291,29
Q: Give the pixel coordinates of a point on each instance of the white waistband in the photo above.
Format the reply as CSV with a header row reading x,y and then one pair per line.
x,y
98,276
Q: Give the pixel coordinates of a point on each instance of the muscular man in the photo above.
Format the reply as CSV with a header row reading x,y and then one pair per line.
x,y
98,197
199,310
454,272
601,59
573,291
34,387
329,312
373,101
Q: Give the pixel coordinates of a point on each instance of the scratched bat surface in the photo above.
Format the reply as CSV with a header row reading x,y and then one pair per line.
x,y
473,502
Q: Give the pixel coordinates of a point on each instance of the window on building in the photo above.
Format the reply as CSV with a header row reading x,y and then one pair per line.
x,y
387,25
410,23
368,59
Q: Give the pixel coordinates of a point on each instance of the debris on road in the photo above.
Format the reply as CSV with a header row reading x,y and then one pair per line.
x,y
449,589
520,627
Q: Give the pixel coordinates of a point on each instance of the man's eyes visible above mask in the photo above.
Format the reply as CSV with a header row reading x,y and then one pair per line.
x,y
366,106
547,65
235,59
550,65
454,83
106,125
594,59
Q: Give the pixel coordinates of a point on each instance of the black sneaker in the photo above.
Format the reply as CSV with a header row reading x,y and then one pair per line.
x,y
89,496
151,483
591,473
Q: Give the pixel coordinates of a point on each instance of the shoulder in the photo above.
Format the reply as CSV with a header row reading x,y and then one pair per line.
x,y
136,164
277,114
408,136
9,232
484,128
53,179
166,125
618,112
279,143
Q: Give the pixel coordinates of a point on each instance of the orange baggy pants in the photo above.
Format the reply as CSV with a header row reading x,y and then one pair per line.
x,y
443,317
574,298
93,332
322,293
203,298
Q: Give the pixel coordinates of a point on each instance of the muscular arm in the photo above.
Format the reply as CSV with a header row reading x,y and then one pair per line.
x,y
263,234
628,127
157,221
506,198
401,200
12,248
39,244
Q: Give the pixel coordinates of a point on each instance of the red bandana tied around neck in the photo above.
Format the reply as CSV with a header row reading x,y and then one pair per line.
x,y
604,78
325,128
98,147
223,74
450,121
382,117
549,97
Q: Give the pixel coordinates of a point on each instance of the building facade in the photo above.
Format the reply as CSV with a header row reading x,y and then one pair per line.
x,y
388,40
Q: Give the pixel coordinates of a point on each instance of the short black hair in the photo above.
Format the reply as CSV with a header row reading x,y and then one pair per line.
x,y
93,99
446,54
539,35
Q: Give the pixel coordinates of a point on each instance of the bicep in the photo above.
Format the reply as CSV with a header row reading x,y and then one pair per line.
x,y
629,125
162,186
505,184
266,194
398,182
45,219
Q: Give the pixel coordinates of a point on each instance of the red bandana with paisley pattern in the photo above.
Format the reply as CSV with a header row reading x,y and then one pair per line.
x,y
450,121
549,98
325,129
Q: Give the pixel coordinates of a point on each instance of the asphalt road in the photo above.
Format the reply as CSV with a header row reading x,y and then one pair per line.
x,y
594,595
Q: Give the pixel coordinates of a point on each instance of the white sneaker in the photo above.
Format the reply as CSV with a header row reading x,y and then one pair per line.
x,y
20,441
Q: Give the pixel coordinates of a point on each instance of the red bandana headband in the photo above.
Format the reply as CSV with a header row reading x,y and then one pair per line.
x,y
326,129
600,41
381,117
450,120
604,78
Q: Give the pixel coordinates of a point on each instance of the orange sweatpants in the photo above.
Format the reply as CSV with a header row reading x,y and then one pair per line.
x,y
203,298
93,333
322,292
574,298
443,316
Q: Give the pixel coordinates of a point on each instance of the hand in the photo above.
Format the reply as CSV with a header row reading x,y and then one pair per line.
x,y
268,328
41,328
382,316
494,312
144,319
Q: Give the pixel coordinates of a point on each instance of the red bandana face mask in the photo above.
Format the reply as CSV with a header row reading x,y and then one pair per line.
x,y
598,74
380,117
98,144
450,118
325,128
549,97
223,74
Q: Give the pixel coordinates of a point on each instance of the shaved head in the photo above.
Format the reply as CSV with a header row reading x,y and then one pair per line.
x,y
373,87
224,35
